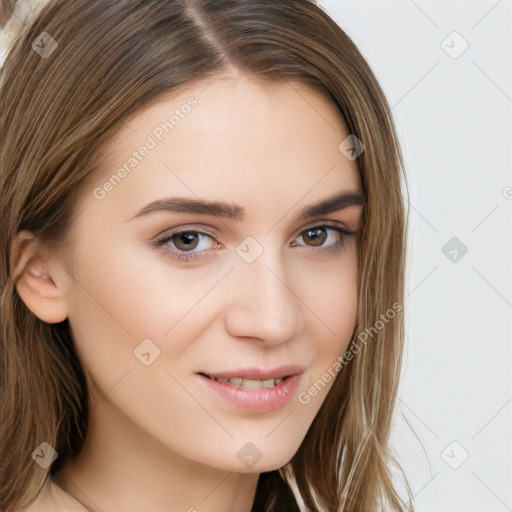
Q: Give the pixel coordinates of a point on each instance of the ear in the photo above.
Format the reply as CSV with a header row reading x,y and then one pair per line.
x,y
41,279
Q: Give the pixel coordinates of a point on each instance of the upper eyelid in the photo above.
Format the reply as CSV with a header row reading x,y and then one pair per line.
x,y
212,232
185,229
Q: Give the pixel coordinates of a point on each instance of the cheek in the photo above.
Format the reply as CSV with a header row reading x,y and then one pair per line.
x,y
119,302
330,295
336,305
329,292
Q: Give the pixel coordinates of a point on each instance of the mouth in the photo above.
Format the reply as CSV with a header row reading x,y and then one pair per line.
x,y
257,390
246,383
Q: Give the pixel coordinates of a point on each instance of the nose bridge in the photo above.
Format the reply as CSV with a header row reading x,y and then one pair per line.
x,y
263,305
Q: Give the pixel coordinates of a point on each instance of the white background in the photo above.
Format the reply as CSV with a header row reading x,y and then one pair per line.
x,y
454,120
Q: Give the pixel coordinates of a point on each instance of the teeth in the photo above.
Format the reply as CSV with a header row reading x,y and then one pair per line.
x,y
250,383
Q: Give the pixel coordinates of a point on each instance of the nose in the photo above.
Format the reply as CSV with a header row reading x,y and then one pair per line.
x,y
262,304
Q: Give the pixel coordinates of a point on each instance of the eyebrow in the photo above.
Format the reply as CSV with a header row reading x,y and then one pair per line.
x,y
331,204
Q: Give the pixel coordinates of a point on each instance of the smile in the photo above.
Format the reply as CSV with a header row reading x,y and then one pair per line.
x,y
254,390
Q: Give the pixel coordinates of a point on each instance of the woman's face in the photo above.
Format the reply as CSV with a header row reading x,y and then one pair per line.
x,y
194,265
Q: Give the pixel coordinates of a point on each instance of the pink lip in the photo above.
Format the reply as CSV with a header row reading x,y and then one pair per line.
x,y
257,400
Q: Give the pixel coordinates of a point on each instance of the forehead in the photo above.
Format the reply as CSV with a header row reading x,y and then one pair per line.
x,y
230,136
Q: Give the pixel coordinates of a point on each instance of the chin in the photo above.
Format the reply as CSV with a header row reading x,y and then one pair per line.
x,y
250,459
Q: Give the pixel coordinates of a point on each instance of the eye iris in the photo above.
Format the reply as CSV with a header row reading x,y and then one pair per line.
x,y
316,235
189,239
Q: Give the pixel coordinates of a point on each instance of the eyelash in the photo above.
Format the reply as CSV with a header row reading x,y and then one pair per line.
x,y
159,242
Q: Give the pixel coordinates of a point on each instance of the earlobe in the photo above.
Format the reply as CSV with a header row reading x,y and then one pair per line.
x,y
35,284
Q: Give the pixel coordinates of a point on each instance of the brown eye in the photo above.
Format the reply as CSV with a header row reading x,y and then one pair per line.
x,y
186,244
316,235
187,240
324,237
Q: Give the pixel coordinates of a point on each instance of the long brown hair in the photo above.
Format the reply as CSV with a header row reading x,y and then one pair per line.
x,y
56,113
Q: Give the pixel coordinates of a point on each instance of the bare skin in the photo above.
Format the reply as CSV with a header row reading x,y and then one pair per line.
x,y
159,439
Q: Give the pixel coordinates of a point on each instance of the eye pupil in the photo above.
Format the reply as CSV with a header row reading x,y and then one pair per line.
x,y
317,235
188,239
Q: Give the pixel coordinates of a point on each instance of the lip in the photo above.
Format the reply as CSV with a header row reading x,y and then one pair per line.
x,y
256,400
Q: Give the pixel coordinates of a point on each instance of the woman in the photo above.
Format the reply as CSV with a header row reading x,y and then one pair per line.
x,y
203,264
